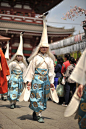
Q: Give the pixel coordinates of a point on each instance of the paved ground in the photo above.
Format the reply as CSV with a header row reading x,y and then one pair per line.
x,y
21,117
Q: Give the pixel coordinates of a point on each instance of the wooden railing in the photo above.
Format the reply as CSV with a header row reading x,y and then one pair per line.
x,y
16,18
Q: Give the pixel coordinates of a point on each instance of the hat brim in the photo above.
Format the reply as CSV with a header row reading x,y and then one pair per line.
x,y
54,96
73,105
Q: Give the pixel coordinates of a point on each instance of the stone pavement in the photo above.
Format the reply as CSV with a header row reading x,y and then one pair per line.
x,y
21,117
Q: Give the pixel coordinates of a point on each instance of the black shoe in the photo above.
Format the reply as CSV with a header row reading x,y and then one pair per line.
x,y
14,105
2,97
34,116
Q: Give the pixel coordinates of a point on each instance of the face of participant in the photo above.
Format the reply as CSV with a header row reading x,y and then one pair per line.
x,y
19,57
43,50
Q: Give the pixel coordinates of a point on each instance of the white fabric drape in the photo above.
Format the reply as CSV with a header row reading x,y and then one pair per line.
x,y
48,64
15,65
79,72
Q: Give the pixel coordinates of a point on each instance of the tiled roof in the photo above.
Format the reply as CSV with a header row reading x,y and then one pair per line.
x,y
32,28
2,38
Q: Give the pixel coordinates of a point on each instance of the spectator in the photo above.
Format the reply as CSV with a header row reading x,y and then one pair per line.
x,y
66,63
58,70
55,63
70,84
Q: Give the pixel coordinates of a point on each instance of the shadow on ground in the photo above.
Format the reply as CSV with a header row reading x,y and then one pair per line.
x,y
30,117
8,106
1,126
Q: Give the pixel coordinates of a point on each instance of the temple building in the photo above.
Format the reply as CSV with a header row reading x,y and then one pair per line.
x,y
20,15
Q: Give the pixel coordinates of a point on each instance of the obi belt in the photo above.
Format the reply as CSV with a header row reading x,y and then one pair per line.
x,y
15,85
40,90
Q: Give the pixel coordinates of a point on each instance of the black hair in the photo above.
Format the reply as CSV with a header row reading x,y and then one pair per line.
x,y
67,55
55,56
60,60
72,60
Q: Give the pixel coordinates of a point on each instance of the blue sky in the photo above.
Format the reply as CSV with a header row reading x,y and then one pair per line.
x,y
55,14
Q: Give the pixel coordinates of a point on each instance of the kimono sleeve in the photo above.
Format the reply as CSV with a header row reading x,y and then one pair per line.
x,y
51,71
79,72
30,71
11,65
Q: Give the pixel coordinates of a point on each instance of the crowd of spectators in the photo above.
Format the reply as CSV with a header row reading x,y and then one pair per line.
x,y
63,69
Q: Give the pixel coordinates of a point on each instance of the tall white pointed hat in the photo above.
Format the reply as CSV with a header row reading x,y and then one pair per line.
x,y
43,41
44,37
20,48
7,51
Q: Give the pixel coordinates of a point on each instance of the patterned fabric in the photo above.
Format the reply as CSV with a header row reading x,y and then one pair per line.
x,y
82,111
15,85
40,90
69,70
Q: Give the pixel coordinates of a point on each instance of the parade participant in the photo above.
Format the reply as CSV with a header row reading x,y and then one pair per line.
x,y
4,96
40,76
7,53
17,68
4,71
79,76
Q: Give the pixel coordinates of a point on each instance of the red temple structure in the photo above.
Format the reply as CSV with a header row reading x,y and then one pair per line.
x,y
20,15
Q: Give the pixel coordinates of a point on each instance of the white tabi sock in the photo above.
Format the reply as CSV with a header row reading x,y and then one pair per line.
x,y
39,114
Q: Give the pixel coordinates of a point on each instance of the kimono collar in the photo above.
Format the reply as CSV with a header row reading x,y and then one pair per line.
x,y
18,61
45,55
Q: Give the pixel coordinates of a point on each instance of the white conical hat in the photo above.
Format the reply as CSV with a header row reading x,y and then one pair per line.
x,y
7,51
19,51
20,48
43,43
44,37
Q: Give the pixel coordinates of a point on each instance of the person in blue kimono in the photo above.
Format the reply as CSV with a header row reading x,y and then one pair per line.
x,y
40,76
17,68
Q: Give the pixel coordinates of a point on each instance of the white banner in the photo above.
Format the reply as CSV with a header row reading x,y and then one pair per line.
x,y
69,49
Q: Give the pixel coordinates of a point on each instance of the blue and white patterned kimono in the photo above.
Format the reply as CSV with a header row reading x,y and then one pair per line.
x,y
82,111
40,74
15,84
40,90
